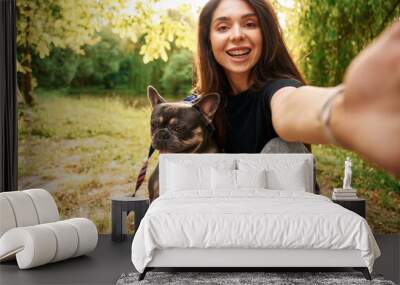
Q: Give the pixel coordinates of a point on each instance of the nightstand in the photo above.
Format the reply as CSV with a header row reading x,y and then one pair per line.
x,y
120,208
356,205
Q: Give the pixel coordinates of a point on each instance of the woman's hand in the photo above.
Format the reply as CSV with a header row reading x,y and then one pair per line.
x,y
367,119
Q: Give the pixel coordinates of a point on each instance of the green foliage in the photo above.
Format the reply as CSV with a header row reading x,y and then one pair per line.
x,y
159,28
177,77
45,25
137,75
326,35
57,70
101,62
110,63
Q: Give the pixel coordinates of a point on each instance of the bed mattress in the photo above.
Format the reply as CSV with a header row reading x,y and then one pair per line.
x,y
250,219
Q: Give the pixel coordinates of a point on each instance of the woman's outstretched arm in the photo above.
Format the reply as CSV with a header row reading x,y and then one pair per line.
x,y
364,118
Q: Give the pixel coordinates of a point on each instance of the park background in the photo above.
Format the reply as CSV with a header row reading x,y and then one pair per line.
x,y
84,65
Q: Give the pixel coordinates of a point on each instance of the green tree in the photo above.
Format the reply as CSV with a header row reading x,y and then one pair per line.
x,y
44,25
101,62
109,63
56,70
329,34
178,73
138,75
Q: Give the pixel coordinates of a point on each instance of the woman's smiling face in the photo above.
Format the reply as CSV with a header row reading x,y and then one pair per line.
x,y
236,38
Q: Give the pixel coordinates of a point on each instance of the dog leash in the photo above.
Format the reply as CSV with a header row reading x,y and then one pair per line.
x,y
142,173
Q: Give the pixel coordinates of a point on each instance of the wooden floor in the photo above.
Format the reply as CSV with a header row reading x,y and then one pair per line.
x,y
111,259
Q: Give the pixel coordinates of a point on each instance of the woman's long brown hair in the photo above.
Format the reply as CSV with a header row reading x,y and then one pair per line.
x,y
274,63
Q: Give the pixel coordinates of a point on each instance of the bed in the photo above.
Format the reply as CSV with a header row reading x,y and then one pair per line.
x,y
247,210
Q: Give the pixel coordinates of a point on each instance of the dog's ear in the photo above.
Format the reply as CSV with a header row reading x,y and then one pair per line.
x,y
154,97
208,105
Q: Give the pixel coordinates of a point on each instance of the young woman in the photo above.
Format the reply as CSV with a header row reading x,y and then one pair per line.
x,y
241,55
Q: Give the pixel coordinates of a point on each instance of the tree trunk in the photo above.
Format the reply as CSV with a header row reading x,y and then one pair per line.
x,y
26,62
27,79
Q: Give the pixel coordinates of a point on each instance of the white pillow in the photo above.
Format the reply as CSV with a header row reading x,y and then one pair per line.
x,y
223,179
251,178
187,175
182,177
291,179
227,179
282,174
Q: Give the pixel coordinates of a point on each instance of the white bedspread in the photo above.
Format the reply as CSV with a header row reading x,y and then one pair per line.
x,y
253,218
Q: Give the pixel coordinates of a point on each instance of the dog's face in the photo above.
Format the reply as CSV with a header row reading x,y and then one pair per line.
x,y
180,127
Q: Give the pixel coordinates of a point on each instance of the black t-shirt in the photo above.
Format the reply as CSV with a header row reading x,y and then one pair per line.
x,y
249,119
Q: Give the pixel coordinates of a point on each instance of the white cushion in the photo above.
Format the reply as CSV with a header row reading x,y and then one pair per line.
x,y
40,244
32,246
31,233
223,179
284,174
226,179
183,177
292,179
45,206
67,239
23,208
26,208
186,175
251,178
87,233
7,220
248,161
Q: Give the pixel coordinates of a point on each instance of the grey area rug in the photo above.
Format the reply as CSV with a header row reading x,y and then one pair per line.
x,y
230,278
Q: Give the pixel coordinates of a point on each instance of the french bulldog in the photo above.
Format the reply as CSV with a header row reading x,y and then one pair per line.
x,y
180,127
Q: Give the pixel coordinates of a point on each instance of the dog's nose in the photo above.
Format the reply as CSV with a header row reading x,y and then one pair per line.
x,y
163,135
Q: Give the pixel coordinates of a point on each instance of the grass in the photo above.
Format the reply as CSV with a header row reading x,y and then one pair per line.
x,y
85,149
381,190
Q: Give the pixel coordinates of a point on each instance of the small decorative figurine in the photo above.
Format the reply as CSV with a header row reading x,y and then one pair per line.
x,y
347,174
347,192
